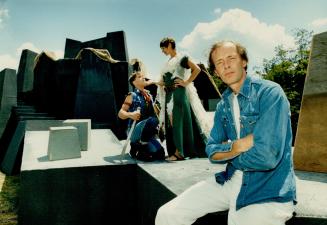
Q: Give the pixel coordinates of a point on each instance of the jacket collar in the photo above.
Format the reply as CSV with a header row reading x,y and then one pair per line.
x,y
245,89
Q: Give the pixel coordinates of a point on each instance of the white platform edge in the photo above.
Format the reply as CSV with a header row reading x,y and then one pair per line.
x,y
105,149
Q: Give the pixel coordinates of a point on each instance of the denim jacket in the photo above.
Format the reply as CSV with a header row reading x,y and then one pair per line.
x,y
139,101
268,174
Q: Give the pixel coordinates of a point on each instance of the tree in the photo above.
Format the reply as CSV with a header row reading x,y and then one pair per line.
x,y
288,68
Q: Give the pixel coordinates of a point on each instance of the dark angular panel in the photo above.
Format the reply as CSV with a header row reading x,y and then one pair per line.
x,y
66,72
205,90
120,74
95,98
25,75
7,134
11,143
151,194
44,81
72,47
8,89
118,46
74,196
204,87
8,96
114,42
14,150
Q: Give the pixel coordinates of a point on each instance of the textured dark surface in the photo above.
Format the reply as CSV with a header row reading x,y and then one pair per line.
x,y
8,95
173,178
25,75
310,147
87,195
83,195
206,90
43,82
12,141
114,42
95,98
62,100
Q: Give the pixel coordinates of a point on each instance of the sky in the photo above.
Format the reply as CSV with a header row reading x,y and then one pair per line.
x,y
260,25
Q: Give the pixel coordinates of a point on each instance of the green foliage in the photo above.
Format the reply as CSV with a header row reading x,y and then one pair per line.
x,y
288,68
9,201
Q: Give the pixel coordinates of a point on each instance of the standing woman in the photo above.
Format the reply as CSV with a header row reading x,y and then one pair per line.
x,y
176,113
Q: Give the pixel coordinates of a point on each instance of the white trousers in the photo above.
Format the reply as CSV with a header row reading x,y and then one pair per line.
x,y
207,196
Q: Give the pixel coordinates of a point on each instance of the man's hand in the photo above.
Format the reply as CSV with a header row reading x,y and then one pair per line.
x,y
243,144
239,146
136,115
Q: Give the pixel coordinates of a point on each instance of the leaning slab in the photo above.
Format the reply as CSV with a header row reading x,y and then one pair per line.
x,y
25,75
63,143
8,96
84,131
310,148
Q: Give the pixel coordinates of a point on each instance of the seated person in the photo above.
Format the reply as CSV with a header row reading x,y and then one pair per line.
x,y
144,144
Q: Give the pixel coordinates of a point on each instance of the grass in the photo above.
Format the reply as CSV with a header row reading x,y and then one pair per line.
x,y
9,200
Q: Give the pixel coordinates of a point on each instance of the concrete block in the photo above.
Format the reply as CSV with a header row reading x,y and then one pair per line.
x,y
310,147
94,189
12,136
84,131
63,143
98,187
13,147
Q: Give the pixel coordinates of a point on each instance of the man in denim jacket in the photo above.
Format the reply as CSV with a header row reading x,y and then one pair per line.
x,y
144,143
252,135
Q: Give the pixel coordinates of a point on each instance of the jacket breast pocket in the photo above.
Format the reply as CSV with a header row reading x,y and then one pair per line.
x,y
226,124
248,122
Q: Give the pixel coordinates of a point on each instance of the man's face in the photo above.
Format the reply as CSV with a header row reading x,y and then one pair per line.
x,y
228,64
139,80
